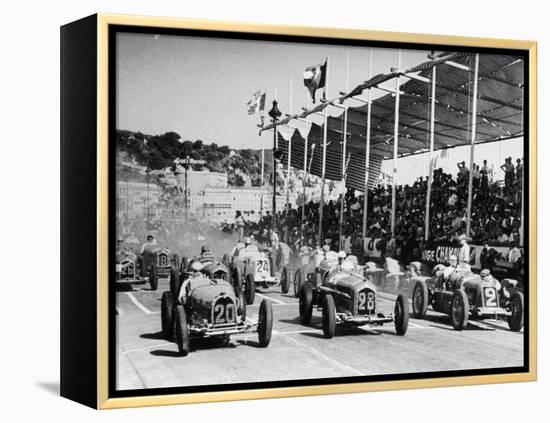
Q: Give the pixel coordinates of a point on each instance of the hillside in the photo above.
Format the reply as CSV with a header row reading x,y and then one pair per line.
x,y
243,167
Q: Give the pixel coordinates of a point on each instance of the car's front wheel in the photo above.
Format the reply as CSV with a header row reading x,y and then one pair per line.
x,y
420,299
285,279
174,282
401,315
166,315
265,323
306,304
298,281
460,309
181,330
515,321
329,316
250,289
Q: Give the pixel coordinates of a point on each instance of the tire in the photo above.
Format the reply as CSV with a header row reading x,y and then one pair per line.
x,y
272,264
153,277
181,330
298,282
285,282
250,289
420,299
241,308
236,281
167,315
460,309
174,282
329,316
265,323
401,314
515,321
306,304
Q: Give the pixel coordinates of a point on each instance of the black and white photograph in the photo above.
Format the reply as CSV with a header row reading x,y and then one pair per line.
x,y
299,211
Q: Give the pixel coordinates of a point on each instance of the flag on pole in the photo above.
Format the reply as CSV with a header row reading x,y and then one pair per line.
x,y
315,78
256,103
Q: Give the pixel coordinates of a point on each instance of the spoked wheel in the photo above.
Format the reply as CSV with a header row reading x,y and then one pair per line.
x,y
515,321
285,281
306,304
401,315
460,309
329,316
181,330
250,289
167,316
420,300
265,323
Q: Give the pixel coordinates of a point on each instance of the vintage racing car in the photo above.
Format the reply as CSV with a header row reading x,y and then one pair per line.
x,y
210,308
157,262
210,267
339,288
463,295
299,265
250,267
127,268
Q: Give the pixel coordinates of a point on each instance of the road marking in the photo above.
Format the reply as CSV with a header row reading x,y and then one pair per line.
x,y
138,304
271,299
319,354
150,347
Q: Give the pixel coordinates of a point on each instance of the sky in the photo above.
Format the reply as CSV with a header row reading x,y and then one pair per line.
x,y
199,87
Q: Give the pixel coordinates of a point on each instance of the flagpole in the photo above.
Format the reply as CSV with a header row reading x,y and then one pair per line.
x,y
322,199
430,170
367,156
395,146
262,185
289,154
306,147
472,147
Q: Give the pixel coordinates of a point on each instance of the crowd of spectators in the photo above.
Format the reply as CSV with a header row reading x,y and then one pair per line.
x,y
496,213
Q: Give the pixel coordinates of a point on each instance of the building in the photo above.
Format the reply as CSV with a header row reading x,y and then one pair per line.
x,y
219,204
134,199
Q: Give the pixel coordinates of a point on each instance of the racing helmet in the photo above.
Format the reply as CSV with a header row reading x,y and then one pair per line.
x,y
484,273
205,249
247,241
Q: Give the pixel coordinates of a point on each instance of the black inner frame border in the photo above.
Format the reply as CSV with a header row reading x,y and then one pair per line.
x,y
113,30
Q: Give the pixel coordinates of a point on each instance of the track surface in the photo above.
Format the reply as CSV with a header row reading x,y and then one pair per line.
x,y
146,360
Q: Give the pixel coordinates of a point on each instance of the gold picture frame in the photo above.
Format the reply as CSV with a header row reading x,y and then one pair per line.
x,y
103,400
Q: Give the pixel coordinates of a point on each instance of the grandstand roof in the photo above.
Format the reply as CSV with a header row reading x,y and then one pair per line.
x,y
499,111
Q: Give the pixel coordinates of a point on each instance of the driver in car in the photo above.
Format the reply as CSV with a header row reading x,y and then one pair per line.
x,y
196,267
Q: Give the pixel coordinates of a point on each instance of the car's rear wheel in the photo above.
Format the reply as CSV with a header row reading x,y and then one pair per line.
x,y
515,321
298,281
153,277
401,314
166,315
174,282
329,316
236,280
306,304
420,299
285,281
250,289
265,323
181,330
460,309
